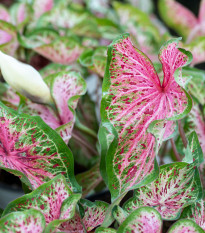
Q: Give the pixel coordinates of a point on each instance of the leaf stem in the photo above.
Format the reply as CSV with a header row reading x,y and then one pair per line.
x,y
175,150
108,215
182,134
84,143
85,129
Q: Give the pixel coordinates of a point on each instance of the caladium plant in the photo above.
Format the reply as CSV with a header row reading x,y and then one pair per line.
x,y
133,98
150,143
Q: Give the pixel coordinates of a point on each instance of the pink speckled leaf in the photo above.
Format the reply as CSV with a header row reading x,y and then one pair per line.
x,y
52,199
30,147
94,214
41,6
119,214
89,180
185,226
142,220
63,50
20,14
196,212
66,89
202,12
133,97
197,48
178,186
179,18
28,221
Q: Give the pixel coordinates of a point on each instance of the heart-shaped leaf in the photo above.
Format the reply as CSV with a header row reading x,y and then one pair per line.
x,y
185,226
196,212
28,221
144,219
54,199
178,186
133,97
33,150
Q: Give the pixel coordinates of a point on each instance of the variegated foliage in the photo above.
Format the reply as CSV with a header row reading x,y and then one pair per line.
x,y
53,199
196,212
32,150
178,186
94,214
142,220
182,20
134,97
66,88
185,226
48,43
28,221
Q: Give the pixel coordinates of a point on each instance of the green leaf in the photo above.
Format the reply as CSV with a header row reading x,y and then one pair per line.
x,y
105,230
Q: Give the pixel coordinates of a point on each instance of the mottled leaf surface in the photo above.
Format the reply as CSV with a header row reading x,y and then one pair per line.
x,y
195,212
32,148
50,199
133,97
178,185
142,220
94,214
28,221
63,50
185,226
119,214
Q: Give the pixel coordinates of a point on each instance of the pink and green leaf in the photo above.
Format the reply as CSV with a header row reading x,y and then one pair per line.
x,y
196,84
202,12
8,40
34,150
66,89
133,97
197,48
89,180
193,152
185,226
53,68
179,18
178,186
95,60
40,7
64,50
119,214
28,221
142,220
94,214
195,212
54,199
